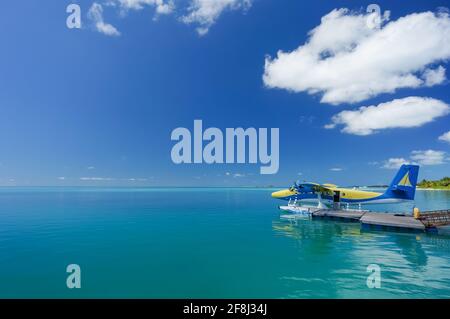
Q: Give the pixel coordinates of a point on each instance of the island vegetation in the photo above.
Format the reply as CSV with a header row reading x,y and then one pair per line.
x,y
443,183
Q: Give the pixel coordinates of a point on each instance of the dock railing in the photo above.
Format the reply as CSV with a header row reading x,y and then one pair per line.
x,y
435,218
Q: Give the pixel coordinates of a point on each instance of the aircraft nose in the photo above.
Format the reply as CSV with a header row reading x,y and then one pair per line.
x,y
281,193
276,194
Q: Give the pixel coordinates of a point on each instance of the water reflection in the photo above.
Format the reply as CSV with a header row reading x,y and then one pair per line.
x,y
412,251
317,236
334,256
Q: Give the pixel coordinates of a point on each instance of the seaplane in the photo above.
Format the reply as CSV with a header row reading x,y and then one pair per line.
x,y
330,196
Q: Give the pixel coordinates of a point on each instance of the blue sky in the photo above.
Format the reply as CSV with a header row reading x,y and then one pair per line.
x,y
81,107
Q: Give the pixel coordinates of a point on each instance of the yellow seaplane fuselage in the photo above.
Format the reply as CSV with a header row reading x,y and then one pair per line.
x,y
402,188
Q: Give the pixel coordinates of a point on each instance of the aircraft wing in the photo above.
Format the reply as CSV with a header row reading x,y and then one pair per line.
x,y
308,187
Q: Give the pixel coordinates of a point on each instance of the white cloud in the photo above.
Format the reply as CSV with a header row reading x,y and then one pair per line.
x,y
201,13
61,178
238,175
427,157
95,13
395,163
161,6
96,178
445,137
204,13
348,61
336,169
434,76
107,29
91,167
412,111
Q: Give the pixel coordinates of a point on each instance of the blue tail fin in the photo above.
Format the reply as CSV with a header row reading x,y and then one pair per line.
x,y
404,183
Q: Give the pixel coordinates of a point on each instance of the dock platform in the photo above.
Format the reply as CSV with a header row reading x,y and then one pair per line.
x,y
350,215
397,221
428,221
435,218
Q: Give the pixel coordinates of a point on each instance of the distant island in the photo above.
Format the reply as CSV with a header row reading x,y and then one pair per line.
x,y
443,183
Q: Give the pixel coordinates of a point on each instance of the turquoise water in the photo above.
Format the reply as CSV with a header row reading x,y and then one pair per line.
x,y
205,243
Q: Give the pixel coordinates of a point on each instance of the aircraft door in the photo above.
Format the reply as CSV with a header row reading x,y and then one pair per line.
x,y
336,200
336,197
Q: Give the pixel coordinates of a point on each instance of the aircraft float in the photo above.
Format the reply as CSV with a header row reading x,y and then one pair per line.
x,y
401,189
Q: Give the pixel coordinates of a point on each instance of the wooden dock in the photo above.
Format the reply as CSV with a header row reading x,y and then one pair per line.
x,y
350,215
428,221
435,218
396,221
